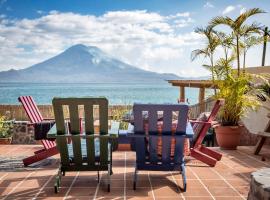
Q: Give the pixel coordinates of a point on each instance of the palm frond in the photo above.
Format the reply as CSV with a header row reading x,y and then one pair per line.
x,y
219,20
198,52
248,29
245,15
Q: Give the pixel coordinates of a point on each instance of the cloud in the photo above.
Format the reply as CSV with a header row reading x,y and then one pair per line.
x,y
208,5
145,39
228,9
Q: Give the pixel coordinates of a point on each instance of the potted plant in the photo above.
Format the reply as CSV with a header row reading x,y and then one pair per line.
x,y
5,131
240,97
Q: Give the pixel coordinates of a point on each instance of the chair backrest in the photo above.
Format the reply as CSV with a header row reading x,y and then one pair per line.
x,y
205,127
81,156
159,131
31,109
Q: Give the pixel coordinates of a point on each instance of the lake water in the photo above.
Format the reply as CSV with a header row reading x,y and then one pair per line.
x,y
117,93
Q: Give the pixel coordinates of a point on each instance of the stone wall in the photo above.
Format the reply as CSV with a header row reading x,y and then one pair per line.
x,y
23,133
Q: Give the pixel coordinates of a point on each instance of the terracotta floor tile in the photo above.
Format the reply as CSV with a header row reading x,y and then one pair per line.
x,y
86,182
49,192
110,198
197,192
190,183
4,191
115,192
228,198
77,191
215,183
139,192
167,191
234,167
198,198
140,198
222,191
238,182
24,192
243,190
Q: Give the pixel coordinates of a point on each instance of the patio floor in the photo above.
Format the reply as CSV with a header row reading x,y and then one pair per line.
x,y
228,180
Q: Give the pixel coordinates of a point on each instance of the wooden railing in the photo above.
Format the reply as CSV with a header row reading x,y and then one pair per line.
x,y
115,111
17,112
195,109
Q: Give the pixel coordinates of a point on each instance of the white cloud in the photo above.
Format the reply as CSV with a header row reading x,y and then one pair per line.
x,y
228,9
145,39
208,5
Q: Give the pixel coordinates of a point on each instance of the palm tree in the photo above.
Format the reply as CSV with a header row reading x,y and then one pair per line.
x,y
238,27
248,42
208,51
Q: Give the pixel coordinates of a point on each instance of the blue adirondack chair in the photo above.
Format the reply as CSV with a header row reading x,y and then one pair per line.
x,y
153,138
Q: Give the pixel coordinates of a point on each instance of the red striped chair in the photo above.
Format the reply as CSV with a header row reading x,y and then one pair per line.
x,y
35,117
198,150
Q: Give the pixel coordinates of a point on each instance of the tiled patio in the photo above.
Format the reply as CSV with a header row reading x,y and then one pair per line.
x,y
228,180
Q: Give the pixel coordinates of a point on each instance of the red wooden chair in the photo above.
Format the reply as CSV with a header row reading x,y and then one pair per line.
x,y
198,151
35,117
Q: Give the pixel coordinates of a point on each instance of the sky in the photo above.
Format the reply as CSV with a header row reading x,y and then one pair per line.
x,y
156,35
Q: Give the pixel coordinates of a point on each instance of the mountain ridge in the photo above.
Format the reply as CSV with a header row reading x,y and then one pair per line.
x,y
83,64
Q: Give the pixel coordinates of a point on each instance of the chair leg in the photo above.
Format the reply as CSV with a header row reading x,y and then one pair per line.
x,y
259,145
58,180
98,176
135,179
40,155
210,152
183,172
203,157
109,178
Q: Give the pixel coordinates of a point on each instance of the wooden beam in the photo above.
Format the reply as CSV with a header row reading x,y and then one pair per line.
x,y
182,97
201,99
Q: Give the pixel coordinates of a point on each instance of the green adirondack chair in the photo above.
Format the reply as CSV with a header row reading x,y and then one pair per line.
x,y
86,151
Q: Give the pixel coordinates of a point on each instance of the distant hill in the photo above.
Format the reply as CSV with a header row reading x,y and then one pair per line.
x,y
82,64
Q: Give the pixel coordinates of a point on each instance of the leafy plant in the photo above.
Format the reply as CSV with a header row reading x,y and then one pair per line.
x,y
239,95
239,28
117,115
4,128
212,43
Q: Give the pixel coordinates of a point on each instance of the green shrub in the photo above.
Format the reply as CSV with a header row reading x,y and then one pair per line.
x,y
5,128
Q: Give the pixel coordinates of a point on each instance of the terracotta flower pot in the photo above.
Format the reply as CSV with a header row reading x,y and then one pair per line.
x,y
228,136
5,140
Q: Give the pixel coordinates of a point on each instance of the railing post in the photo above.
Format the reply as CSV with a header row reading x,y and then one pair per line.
x,y
201,99
182,94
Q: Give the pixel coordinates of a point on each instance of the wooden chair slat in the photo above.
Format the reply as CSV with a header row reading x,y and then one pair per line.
x,y
74,118
88,114
62,147
35,108
90,145
166,150
77,150
167,118
59,117
153,151
103,151
103,116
